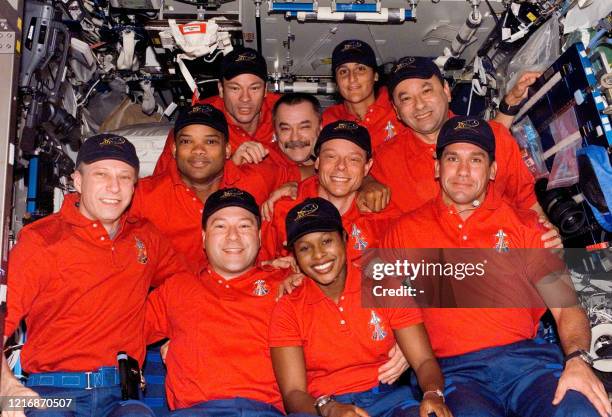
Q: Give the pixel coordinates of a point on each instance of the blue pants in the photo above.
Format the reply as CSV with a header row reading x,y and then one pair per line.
x,y
384,401
96,402
233,407
516,379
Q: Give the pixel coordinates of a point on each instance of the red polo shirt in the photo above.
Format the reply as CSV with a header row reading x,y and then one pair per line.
x,y
309,319
218,336
435,225
83,294
176,211
380,119
237,135
406,165
277,169
364,229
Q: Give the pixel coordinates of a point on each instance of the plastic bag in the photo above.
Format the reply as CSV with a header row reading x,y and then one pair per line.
x,y
564,130
530,144
539,52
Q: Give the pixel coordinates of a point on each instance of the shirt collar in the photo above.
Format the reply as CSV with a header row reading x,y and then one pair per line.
x,y
314,294
492,202
71,214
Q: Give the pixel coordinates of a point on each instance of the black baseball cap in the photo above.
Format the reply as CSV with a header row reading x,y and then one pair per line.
x,y
353,50
244,61
345,129
202,114
312,215
229,197
465,129
412,67
108,146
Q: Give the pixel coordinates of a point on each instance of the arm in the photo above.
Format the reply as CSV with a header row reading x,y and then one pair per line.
x,y
169,262
249,152
575,333
290,371
517,94
415,345
156,315
288,189
11,387
551,238
373,196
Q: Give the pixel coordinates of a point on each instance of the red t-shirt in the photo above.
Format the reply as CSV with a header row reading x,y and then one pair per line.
x,y
380,119
176,211
81,293
435,225
310,319
364,229
237,135
406,165
218,336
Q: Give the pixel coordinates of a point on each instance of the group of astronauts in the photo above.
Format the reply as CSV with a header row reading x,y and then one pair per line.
x,y
243,249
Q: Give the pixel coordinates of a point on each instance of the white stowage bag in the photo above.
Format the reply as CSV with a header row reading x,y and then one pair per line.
x,y
197,39
538,53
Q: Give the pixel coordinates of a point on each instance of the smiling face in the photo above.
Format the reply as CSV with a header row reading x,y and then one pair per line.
x,y
231,241
356,82
296,128
322,257
200,152
464,171
342,166
243,97
106,189
422,104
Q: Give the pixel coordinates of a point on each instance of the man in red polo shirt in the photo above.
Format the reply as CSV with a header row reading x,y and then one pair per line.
x,y
420,97
244,101
297,123
80,279
355,71
344,158
495,366
174,200
218,359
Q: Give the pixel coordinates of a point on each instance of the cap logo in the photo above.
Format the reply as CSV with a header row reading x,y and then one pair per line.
x,y
306,211
467,124
201,109
346,126
232,193
352,45
245,57
112,140
405,63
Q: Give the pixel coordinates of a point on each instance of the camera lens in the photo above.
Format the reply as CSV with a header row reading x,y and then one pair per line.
x,y
560,208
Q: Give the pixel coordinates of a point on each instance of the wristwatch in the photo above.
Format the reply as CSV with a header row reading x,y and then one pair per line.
x,y
321,401
438,392
508,110
582,354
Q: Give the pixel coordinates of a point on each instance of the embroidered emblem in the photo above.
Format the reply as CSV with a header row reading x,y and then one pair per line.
x,y
407,62
113,141
205,109
142,251
352,45
502,242
379,332
260,288
467,124
346,126
308,210
231,193
360,242
390,130
246,57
